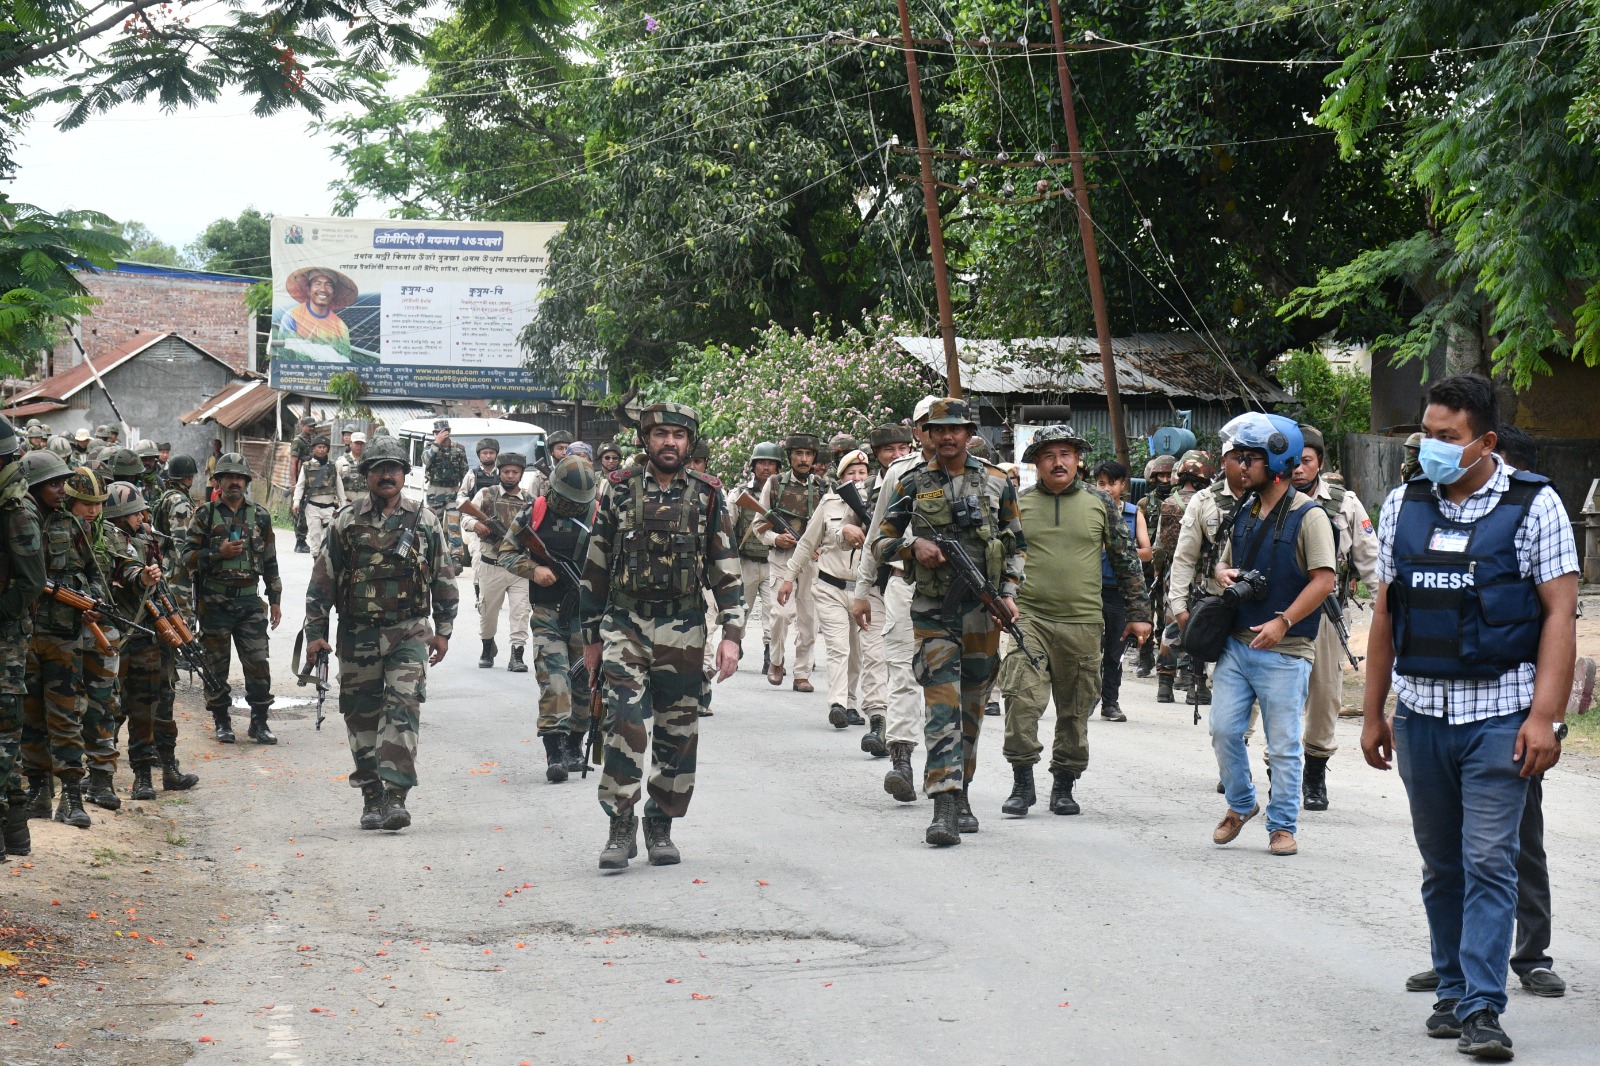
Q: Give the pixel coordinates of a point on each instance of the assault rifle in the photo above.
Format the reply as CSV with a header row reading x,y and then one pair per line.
x,y
319,670
594,745
89,605
174,632
850,493
1335,613
747,500
534,545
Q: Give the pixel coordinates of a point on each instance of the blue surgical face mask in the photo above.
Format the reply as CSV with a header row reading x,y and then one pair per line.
x,y
1441,460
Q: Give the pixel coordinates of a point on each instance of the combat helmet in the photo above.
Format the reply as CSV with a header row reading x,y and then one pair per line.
x,y
232,463
701,450
767,449
1161,464
516,459
384,449
981,447
124,463
84,484
796,441
9,441
181,466
487,442
608,448
890,434
1053,435
664,414
572,487
842,444
104,433
59,446
560,436
122,500
146,449
39,467
1195,465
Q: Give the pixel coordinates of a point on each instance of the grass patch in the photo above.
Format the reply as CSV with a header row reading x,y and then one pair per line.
x,y
1583,733
106,857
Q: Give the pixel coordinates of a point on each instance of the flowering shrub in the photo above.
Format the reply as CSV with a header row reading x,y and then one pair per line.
x,y
790,382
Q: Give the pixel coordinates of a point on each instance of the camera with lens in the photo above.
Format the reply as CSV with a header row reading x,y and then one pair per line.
x,y
1250,585
966,512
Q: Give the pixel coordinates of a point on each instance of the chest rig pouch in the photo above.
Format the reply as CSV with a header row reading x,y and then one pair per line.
x,y
970,518
383,586
797,500
661,541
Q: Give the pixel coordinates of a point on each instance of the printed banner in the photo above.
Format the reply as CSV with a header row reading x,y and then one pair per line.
x,y
418,309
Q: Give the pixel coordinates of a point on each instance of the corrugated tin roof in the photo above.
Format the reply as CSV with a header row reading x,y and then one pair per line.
x,y
236,405
1160,364
62,386
389,412
29,410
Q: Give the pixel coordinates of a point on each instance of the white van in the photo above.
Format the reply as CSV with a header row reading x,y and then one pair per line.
x,y
523,437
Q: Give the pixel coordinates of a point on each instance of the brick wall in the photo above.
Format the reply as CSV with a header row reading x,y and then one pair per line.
x,y
210,313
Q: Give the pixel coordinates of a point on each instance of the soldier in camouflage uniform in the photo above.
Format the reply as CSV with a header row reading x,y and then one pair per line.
x,y
1191,473
1069,526
444,467
318,493
348,466
957,495
794,494
385,566
231,548
170,519
299,452
150,459
22,576
753,552
662,535
496,585
1158,486
561,516
38,437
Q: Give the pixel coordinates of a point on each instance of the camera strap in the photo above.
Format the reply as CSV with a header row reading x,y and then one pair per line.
x,y
1279,519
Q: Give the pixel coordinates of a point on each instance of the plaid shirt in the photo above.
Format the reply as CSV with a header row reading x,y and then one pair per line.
x,y
1545,551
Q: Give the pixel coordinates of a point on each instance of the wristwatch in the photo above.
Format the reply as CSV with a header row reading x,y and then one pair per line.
x,y
1561,731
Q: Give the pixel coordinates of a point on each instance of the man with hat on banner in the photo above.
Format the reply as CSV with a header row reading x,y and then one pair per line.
x,y
320,293
955,496
299,453
318,493
662,536
794,494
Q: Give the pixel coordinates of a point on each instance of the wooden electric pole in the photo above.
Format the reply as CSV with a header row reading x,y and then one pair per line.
x,y
930,204
1091,255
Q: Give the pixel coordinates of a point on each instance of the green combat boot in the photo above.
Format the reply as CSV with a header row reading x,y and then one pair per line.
x,y
102,790
395,815
1164,688
658,841
943,831
18,840
622,844
372,805
173,779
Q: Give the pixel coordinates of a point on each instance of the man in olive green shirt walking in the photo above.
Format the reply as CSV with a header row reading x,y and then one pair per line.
x,y
1060,611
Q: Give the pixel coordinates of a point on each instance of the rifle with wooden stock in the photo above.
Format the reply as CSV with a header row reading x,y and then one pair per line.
x,y
748,501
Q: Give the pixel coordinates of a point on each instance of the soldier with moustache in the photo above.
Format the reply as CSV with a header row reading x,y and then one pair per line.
x,y
793,494
753,551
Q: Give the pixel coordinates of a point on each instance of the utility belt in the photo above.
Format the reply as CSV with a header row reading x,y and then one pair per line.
x,y
829,579
235,592
381,618
322,503
658,608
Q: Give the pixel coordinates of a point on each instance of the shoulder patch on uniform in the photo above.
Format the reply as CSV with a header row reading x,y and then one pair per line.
x,y
935,494
621,474
710,479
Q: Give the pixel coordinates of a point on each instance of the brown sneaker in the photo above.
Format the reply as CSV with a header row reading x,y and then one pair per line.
x,y
1228,829
802,685
775,675
1282,843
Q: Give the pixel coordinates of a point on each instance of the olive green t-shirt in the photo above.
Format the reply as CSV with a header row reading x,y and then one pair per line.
x,y
1062,582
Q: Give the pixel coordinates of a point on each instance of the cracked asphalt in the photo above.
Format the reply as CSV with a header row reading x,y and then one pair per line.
x,y
808,923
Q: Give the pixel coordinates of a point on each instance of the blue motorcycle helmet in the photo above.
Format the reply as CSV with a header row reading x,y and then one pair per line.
x,y
1278,437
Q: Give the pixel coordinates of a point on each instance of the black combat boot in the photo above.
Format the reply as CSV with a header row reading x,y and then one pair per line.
x,y
1022,795
173,779
1147,659
992,709
836,716
372,805
1184,679
102,790
224,723
555,758
1164,688
260,731
872,740
898,782
966,821
70,808
40,795
1314,789
943,831
766,657
301,547
1061,801
395,815
573,745
143,789
516,665
622,844
658,841
18,840
853,717
486,657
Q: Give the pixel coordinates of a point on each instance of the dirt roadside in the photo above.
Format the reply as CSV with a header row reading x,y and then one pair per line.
x,y
98,919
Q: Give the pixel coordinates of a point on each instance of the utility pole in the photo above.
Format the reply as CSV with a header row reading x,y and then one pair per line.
x,y
1091,255
930,203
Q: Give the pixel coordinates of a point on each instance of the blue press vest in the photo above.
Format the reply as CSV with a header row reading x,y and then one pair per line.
x,y
1130,515
1461,609
1277,560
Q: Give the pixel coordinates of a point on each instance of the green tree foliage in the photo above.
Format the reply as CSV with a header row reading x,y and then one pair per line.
x,y
1334,399
145,247
240,245
38,289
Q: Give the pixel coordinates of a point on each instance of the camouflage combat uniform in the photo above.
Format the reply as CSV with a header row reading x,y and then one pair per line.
x,y
299,452
348,468
22,576
103,711
227,603
443,469
147,680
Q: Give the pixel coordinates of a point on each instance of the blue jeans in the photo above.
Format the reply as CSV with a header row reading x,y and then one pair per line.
x,y
1279,683
1467,797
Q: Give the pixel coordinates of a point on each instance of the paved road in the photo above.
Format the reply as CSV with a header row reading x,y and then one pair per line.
x,y
808,922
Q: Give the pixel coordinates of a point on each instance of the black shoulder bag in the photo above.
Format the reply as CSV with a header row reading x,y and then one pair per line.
x,y
1211,620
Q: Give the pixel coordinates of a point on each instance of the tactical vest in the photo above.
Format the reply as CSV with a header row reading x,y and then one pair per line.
x,y
1276,558
744,535
223,525
797,500
446,466
68,561
381,587
479,480
661,539
929,501
1169,523
1334,505
355,482
320,481
1130,515
503,509
13,495
1461,608
563,537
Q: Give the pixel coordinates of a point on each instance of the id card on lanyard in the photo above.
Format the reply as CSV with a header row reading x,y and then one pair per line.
x,y
1444,539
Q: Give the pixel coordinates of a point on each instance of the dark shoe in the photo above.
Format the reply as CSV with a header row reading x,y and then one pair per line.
x,y
1222,790
966,821
102,790
1111,712
658,841
802,685
1147,659
173,779
622,844
1442,1022
143,789
836,716
224,725
1022,795
555,758
395,815
18,840
1061,801
774,676
872,740
372,806
1183,680
1314,787
302,548
573,743
944,831
70,808
260,731
1544,982
766,657
486,657
1426,981
1164,689
1482,1037
515,664
992,709
898,782
853,717
40,796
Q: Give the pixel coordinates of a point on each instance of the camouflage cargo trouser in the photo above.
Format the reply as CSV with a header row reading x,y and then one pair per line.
x,y
652,671
383,682
955,663
52,711
226,622
563,699
102,708
10,741
147,701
